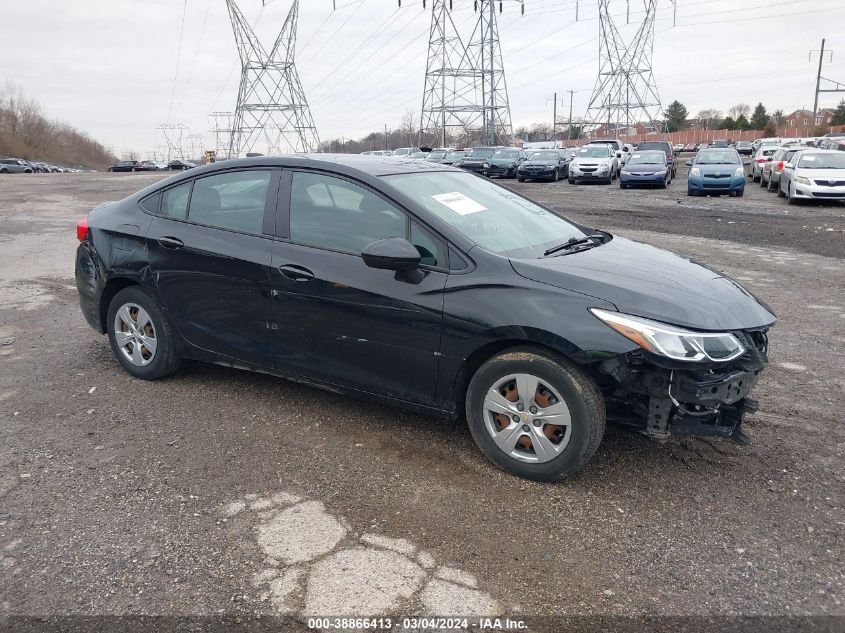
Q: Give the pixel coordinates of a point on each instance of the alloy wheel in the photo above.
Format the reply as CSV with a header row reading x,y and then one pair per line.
x,y
527,419
135,334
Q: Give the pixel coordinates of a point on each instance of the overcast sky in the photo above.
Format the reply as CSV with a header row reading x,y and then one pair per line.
x,y
109,67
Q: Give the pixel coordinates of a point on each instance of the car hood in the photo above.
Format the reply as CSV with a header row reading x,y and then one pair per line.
x,y
707,170
646,167
540,163
502,162
650,282
821,174
475,159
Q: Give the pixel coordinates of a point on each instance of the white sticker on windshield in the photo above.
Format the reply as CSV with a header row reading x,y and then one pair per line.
x,y
459,203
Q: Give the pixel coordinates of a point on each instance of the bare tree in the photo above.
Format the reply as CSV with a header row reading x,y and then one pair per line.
x,y
409,126
708,117
740,109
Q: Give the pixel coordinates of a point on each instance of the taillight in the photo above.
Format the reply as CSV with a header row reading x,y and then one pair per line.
x,y
780,165
82,229
761,160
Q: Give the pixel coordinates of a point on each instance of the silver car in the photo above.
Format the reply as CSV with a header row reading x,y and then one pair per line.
x,y
15,166
772,170
813,174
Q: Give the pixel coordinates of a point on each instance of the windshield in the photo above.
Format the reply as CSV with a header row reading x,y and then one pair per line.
x,y
490,215
544,156
648,158
717,157
593,151
482,152
822,161
452,155
507,153
652,146
437,154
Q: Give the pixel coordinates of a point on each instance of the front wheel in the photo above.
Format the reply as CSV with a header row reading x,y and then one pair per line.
x,y
520,179
535,414
141,337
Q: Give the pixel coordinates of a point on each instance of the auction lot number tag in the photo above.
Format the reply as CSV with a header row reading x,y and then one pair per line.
x,y
459,203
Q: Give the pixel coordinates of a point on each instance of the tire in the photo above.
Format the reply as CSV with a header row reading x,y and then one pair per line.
x,y
739,193
691,193
556,377
781,194
755,177
163,360
520,179
556,176
622,185
790,199
571,181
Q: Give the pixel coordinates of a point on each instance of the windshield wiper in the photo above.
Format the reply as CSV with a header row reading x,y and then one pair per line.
x,y
590,240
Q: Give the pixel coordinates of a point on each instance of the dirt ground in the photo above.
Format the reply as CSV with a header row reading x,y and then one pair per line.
x,y
218,491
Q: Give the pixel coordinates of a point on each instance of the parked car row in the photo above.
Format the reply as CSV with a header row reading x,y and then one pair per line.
x,y
798,173
151,165
21,166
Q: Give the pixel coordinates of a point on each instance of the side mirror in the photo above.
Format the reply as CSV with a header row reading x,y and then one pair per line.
x,y
688,163
788,166
393,253
618,154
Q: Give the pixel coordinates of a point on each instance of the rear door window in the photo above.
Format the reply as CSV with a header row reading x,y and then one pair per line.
x,y
174,202
234,200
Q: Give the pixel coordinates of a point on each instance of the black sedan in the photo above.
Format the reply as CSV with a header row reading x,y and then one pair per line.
x,y
127,165
426,287
545,164
504,163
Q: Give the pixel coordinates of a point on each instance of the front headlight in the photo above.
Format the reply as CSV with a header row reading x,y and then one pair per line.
x,y
695,172
740,172
626,172
486,165
670,341
801,180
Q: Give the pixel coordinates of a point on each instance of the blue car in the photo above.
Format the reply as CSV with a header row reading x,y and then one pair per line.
x,y
716,170
645,168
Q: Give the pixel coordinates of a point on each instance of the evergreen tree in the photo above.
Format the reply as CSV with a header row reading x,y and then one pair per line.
x,y
759,118
676,116
728,123
839,115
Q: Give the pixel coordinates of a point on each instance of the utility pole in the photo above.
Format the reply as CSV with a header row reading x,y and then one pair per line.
x,y
554,121
818,85
571,93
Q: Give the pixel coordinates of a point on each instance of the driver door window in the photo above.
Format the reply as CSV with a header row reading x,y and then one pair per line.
x,y
339,215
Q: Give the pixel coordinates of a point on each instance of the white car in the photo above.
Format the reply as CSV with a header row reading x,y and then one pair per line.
x,y
761,157
594,162
813,175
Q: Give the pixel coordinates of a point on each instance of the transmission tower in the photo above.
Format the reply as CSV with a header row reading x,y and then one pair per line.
x,y
625,92
173,134
451,108
222,130
270,93
485,53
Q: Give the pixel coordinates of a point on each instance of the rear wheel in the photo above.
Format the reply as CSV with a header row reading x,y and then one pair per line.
x,y
141,337
520,179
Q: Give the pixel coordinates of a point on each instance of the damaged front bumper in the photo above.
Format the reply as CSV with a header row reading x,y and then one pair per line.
x,y
663,398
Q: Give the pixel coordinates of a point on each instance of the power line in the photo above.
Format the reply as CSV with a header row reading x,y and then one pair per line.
x,y
178,57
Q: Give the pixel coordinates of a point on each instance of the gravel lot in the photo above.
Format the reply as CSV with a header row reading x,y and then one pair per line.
x,y
219,491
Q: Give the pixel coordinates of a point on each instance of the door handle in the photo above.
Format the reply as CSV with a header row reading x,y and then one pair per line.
x,y
170,242
297,273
